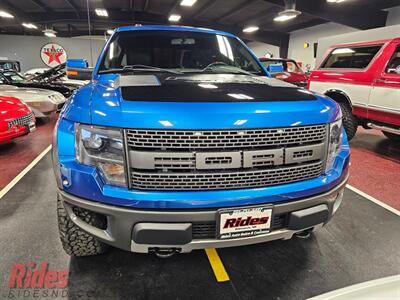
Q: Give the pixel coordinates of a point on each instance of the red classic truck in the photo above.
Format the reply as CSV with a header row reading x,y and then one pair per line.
x,y
364,78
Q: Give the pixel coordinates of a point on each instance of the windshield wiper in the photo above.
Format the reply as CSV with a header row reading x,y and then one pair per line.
x,y
225,66
141,68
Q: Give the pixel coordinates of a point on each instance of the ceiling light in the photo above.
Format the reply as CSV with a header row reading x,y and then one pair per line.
x,y
287,14
49,32
110,31
335,1
101,12
188,2
5,14
174,18
251,29
29,25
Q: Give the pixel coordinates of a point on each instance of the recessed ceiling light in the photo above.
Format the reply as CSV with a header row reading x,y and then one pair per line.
x,y
335,1
174,18
251,29
110,31
188,2
287,15
5,14
101,12
29,25
49,32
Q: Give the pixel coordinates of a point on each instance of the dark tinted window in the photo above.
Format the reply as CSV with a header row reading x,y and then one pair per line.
x,y
182,51
354,57
393,66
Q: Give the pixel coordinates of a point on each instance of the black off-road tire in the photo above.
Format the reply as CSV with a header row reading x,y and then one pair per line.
x,y
350,122
74,240
393,137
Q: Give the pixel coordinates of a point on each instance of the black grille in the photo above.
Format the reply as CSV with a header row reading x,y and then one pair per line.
x,y
224,180
208,230
224,139
21,121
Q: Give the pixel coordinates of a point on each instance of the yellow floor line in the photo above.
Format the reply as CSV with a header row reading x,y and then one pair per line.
x,y
217,266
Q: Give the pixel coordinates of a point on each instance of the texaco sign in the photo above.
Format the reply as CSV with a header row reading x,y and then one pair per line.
x,y
53,54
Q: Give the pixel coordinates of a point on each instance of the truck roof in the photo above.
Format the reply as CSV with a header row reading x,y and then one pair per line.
x,y
172,27
366,43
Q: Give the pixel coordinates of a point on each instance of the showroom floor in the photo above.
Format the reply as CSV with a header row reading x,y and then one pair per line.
x,y
334,257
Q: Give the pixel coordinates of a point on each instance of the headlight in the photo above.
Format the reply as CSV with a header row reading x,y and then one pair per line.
x,y
335,142
102,148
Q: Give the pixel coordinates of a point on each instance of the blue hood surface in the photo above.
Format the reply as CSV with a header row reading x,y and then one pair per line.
x,y
109,108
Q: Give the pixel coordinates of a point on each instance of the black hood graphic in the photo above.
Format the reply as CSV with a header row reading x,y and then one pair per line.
x,y
209,88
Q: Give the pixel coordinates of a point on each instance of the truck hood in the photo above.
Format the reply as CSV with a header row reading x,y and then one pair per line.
x,y
204,101
31,94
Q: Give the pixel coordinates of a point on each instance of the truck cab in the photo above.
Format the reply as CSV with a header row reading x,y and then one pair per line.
x,y
182,141
364,78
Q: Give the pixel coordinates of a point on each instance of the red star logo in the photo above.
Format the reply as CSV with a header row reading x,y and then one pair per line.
x,y
53,55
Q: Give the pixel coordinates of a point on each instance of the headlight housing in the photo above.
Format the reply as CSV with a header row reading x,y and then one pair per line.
x,y
334,142
101,148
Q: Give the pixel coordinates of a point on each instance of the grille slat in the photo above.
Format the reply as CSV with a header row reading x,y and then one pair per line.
x,y
223,180
21,121
224,139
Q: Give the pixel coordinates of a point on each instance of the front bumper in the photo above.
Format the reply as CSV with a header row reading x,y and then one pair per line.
x,y
146,230
15,132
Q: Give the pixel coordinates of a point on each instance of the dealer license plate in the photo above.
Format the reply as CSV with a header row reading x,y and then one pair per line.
x,y
32,127
244,222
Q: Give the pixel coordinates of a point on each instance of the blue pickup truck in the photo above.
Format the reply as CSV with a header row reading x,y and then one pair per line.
x,y
182,141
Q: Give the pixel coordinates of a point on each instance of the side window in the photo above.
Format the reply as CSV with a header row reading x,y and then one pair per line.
x,y
393,66
353,57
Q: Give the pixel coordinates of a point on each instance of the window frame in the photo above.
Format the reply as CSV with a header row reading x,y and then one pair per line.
x,y
381,45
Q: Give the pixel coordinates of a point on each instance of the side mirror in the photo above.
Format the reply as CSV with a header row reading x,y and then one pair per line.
x,y
78,69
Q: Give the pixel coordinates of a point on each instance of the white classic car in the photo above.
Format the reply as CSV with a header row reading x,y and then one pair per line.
x,y
42,102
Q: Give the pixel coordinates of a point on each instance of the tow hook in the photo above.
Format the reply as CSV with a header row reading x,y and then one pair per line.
x,y
305,234
164,252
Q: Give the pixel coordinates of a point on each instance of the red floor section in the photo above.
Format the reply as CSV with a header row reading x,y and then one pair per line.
x,y
375,166
22,151
375,161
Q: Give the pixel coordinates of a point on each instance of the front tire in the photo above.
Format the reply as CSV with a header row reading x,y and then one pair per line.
x,y
393,137
350,122
74,240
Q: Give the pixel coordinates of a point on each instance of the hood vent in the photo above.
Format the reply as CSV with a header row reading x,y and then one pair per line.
x,y
139,80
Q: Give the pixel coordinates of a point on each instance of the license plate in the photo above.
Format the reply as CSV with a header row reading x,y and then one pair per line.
x,y
32,127
244,222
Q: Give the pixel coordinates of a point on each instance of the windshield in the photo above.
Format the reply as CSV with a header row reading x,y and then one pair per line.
x,y
179,51
11,77
288,66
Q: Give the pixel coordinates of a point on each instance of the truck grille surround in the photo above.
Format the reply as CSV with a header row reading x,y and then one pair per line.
x,y
198,160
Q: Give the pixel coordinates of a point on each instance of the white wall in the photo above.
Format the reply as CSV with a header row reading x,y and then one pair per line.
x,y
26,49
260,49
393,16
311,35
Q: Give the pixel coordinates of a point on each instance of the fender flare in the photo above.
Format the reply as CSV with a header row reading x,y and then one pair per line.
x,y
341,93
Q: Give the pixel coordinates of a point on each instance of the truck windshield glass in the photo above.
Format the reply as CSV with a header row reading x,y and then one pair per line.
x,y
354,57
180,51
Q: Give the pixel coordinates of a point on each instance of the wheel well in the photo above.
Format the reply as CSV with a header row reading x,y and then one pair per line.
x,y
339,97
